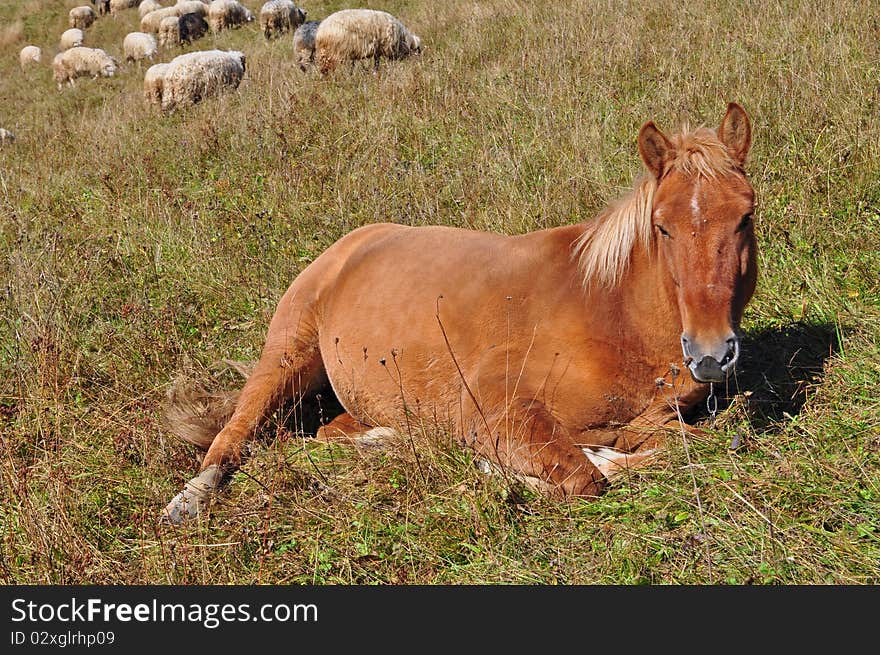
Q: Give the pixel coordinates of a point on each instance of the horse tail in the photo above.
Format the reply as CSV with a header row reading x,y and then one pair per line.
x,y
196,415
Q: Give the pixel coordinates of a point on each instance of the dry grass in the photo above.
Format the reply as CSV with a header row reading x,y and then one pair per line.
x,y
137,246
11,34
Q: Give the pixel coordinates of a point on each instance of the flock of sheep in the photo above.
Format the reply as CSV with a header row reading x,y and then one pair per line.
x,y
346,35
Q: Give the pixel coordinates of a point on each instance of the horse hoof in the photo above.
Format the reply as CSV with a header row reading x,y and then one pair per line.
x,y
196,495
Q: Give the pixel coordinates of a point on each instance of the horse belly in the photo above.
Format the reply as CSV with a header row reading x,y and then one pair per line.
x,y
400,372
387,375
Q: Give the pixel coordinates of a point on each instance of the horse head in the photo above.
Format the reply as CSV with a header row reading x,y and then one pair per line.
x,y
703,235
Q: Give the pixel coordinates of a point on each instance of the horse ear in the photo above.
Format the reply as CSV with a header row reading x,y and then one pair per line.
x,y
736,132
656,150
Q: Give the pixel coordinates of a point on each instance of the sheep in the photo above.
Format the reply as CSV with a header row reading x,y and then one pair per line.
x,y
353,34
81,17
304,44
150,22
147,6
227,13
119,5
70,39
197,75
191,7
169,32
154,80
30,54
81,61
139,45
6,136
279,16
192,26
103,6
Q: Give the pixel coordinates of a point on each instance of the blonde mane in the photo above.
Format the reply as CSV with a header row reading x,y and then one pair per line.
x,y
604,248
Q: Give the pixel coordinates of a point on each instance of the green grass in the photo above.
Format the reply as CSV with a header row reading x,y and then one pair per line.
x,y
135,247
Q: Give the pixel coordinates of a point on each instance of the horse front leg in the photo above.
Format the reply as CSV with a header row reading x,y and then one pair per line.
x,y
614,450
348,430
525,439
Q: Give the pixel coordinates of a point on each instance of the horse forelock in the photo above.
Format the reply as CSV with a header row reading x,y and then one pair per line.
x,y
700,153
605,247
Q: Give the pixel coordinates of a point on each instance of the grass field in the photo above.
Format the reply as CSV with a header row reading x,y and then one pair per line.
x,y
137,247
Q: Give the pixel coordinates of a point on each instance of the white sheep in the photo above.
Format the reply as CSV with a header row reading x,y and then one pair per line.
x,y
30,54
154,80
304,44
196,75
353,34
139,45
81,17
120,5
81,61
6,136
169,32
279,16
191,7
227,13
147,6
70,39
151,21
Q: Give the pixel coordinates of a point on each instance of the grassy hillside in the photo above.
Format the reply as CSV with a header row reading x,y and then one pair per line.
x,y
137,247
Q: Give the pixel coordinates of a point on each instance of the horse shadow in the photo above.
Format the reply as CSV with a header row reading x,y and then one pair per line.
x,y
777,367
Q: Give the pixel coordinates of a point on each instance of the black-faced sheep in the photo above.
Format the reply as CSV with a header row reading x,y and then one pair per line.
x,y
147,6
194,76
81,17
121,5
154,80
139,45
192,26
304,44
103,6
169,32
353,34
279,16
30,54
223,14
70,39
81,61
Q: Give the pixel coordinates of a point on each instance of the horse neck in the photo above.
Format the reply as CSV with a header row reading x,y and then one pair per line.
x,y
648,305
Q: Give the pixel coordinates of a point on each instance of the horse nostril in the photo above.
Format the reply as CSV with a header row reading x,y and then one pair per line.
x,y
732,353
685,348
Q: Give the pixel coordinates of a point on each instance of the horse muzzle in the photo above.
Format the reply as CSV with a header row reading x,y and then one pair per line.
x,y
713,363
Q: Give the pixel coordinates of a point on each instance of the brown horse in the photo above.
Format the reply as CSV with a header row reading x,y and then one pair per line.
x,y
532,347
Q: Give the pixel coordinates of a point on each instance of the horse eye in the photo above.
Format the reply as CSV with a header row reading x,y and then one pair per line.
x,y
663,231
744,222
